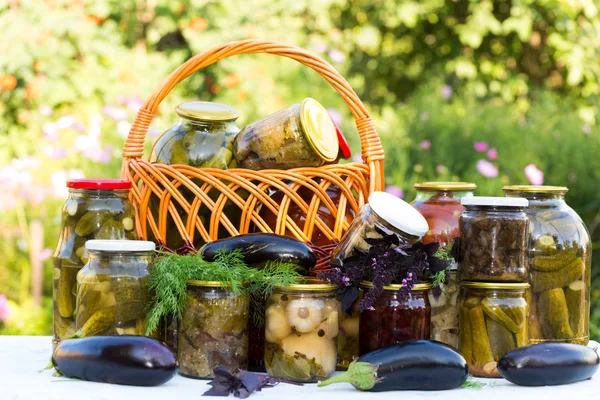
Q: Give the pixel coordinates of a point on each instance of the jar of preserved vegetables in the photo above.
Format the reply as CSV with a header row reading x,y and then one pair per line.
x,y
302,135
301,331
95,209
384,214
394,319
493,240
492,321
213,330
560,256
112,288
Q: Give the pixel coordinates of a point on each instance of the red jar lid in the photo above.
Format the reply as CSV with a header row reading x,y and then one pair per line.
x,y
344,147
99,184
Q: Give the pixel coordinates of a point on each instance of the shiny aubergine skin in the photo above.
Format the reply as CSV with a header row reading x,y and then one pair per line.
x,y
417,365
259,248
123,360
548,364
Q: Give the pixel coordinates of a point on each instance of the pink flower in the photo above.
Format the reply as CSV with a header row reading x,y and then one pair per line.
x,y
65,122
45,110
55,152
534,175
395,190
446,92
481,147
50,131
45,254
115,113
487,169
337,56
492,154
4,309
153,132
123,128
440,169
425,144
335,116
134,103
357,158
587,129
424,116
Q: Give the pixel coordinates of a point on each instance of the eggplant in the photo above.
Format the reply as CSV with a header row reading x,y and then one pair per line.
x,y
260,248
548,364
123,360
410,365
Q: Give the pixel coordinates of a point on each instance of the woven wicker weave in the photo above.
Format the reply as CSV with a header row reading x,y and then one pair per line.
x,y
165,181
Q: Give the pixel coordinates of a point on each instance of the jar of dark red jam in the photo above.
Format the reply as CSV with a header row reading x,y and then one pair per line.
x,y
393,319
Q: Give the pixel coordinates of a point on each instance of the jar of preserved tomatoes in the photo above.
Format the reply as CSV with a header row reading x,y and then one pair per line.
x,y
492,321
493,240
301,329
213,330
393,318
560,257
95,209
112,288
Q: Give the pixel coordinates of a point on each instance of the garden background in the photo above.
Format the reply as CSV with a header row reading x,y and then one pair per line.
x,y
494,92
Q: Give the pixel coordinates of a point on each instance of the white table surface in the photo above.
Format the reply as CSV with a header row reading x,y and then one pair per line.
x,y
22,358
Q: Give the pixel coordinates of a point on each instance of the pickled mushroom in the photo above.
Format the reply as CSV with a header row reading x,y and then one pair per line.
x,y
277,325
304,315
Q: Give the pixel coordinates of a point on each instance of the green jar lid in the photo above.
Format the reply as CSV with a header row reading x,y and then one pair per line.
x,y
319,129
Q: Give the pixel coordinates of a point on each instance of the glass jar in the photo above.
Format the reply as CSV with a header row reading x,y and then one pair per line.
x,y
383,215
560,257
302,135
112,288
213,330
95,209
492,321
493,240
301,329
393,319
444,312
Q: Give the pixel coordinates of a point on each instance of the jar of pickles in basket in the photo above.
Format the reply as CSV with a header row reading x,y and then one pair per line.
x,y
559,266
439,203
213,329
492,320
95,209
301,330
112,288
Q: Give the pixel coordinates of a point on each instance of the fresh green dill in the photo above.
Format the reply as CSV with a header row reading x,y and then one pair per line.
x,y
170,273
471,383
445,252
439,278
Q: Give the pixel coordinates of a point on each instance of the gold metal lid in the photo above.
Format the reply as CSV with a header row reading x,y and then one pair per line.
x,y
397,286
445,186
207,111
309,285
494,285
319,129
535,189
208,283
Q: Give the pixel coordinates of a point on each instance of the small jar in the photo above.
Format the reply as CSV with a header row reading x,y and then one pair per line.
x,y
112,288
492,321
493,240
560,257
393,319
213,330
95,209
301,329
302,135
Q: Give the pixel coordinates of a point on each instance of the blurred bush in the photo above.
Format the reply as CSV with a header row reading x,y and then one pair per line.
x,y
472,90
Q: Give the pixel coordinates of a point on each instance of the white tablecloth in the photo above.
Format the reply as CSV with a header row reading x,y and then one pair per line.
x,y
22,358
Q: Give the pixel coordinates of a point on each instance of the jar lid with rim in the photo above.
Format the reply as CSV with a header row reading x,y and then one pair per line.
x,y
397,286
535,189
482,201
309,285
207,111
494,285
319,129
119,245
194,282
398,213
99,184
445,186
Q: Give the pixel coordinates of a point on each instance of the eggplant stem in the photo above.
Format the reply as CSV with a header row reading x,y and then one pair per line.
x,y
361,375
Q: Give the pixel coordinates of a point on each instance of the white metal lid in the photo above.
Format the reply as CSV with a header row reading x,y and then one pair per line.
x,y
120,245
398,213
495,201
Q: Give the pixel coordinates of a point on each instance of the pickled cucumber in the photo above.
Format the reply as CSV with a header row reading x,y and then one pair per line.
x,y
65,302
535,330
64,328
553,314
111,229
554,262
547,243
466,337
501,339
482,352
575,295
91,221
494,311
472,302
100,321
543,281
515,313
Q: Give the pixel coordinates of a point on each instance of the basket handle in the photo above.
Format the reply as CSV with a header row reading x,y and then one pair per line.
x,y
372,151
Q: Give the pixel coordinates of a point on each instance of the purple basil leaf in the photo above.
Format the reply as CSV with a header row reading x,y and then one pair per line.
x,y
455,249
242,393
437,292
436,265
348,298
250,381
431,248
222,384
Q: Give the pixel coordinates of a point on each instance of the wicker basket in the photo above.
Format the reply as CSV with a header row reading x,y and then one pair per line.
x,y
217,187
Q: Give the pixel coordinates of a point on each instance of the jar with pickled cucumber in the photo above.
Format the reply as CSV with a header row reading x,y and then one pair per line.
x,y
393,318
213,330
112,288
95,209
493,240
301,329
560,257
493,319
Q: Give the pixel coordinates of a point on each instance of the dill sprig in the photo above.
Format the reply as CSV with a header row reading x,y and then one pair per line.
x,y
170,273
471,383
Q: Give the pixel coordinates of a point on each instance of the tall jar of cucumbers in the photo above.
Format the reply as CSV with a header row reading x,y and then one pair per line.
x,y
559,265
95,209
